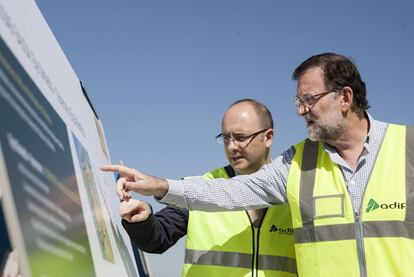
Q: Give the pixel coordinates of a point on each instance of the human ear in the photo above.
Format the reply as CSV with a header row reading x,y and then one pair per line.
x,y
347,98
268,136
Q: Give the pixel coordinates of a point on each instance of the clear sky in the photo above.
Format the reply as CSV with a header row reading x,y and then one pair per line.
x,y
161,73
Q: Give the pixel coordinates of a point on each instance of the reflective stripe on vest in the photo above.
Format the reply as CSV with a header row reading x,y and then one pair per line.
x,y
225,244
371,229
210,257
409,173
234,259
380,242
278,263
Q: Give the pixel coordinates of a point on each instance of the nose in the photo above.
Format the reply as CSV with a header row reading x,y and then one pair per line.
x,y
231,145
302,110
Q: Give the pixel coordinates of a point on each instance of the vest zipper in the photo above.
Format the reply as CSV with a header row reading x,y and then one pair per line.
x,y
359,236
253,243
359,226
255,239
256,254
258,241
256,268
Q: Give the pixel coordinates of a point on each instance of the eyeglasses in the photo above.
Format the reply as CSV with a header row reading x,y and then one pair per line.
x,y
241,141
307,101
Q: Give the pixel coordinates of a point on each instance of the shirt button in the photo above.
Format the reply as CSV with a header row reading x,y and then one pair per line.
x,y
352,182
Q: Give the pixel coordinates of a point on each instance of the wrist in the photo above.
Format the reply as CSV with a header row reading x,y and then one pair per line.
x,y
162,189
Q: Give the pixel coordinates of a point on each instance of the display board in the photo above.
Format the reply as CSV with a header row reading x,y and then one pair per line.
x,y
58,211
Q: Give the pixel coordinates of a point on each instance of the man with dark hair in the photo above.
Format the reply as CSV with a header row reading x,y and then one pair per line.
x,y
350,186
258,242
338,72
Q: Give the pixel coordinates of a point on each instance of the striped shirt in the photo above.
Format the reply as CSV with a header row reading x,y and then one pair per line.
x,y
267,186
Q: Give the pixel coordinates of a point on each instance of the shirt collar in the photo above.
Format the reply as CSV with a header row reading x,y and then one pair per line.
x,y
372,125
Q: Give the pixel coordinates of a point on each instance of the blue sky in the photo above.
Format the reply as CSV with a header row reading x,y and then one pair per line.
x,y
161,73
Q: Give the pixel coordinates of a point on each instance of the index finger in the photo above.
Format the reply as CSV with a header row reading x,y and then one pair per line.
x,y
122,170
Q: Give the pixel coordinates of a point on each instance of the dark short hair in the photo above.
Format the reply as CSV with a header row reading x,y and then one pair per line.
x,y
265,116
338,71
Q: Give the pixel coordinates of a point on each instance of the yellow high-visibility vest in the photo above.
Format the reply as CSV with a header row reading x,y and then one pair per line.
x,y
226,243
333,240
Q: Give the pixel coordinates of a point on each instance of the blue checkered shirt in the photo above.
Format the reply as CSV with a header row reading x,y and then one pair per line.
x,y
267,186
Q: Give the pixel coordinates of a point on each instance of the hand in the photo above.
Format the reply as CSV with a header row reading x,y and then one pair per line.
x,y
133,180
134,210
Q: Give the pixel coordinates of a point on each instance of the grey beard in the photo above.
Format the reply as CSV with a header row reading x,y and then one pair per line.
x,y
327,133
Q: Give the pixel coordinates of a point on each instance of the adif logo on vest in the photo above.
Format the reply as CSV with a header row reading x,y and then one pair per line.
x,y
281,231
373,205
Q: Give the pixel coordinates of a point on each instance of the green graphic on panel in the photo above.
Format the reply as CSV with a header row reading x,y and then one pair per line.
x,y
95,204
35,145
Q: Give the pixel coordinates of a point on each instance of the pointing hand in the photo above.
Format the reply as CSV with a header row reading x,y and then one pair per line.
x,y
133,180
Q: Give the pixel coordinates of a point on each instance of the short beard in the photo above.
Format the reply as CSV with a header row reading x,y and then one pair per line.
x,y
327,132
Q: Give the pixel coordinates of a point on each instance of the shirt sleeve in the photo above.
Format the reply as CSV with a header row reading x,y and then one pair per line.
x,y
262,189
160,231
